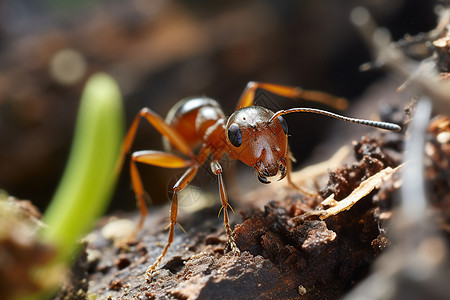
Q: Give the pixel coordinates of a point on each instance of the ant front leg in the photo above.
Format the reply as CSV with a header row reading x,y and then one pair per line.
x,y
216,168
248,96
289,178
178,187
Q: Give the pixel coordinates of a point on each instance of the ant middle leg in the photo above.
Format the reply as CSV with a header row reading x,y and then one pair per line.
x,y
248,96
155,158
178,187
175,138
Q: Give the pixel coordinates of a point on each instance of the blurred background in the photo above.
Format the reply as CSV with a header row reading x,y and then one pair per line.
x,y
161,51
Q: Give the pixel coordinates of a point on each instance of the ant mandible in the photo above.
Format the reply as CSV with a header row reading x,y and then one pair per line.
x,y
252,134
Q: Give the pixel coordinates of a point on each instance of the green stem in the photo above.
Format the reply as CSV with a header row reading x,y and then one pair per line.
x,y
89,179
88,182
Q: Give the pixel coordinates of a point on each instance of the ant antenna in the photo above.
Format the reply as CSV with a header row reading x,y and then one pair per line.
x,y
377,124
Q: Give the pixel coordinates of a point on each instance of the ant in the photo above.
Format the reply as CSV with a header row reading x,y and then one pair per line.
x,y
252,134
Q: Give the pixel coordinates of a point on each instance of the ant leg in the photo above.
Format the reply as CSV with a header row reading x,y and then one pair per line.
x,y
138,188
231,177
155,158
301,204
162,159
179,186
291,183
216,168
248,96
159,124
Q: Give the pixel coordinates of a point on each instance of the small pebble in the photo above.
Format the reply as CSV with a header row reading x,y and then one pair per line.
x,y
93,255
118,229
443,137
116,285
301,290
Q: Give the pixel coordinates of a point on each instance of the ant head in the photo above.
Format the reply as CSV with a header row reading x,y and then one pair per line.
x,y
258,141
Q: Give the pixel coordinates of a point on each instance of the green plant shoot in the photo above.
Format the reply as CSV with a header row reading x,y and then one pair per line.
x,y
89,179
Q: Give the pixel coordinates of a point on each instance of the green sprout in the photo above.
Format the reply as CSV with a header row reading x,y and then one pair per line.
x,y
88,182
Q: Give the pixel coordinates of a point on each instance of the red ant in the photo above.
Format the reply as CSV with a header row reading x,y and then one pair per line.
x,y
252,134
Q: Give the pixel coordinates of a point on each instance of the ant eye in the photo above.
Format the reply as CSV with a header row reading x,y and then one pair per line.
x,y
234,135
283,124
